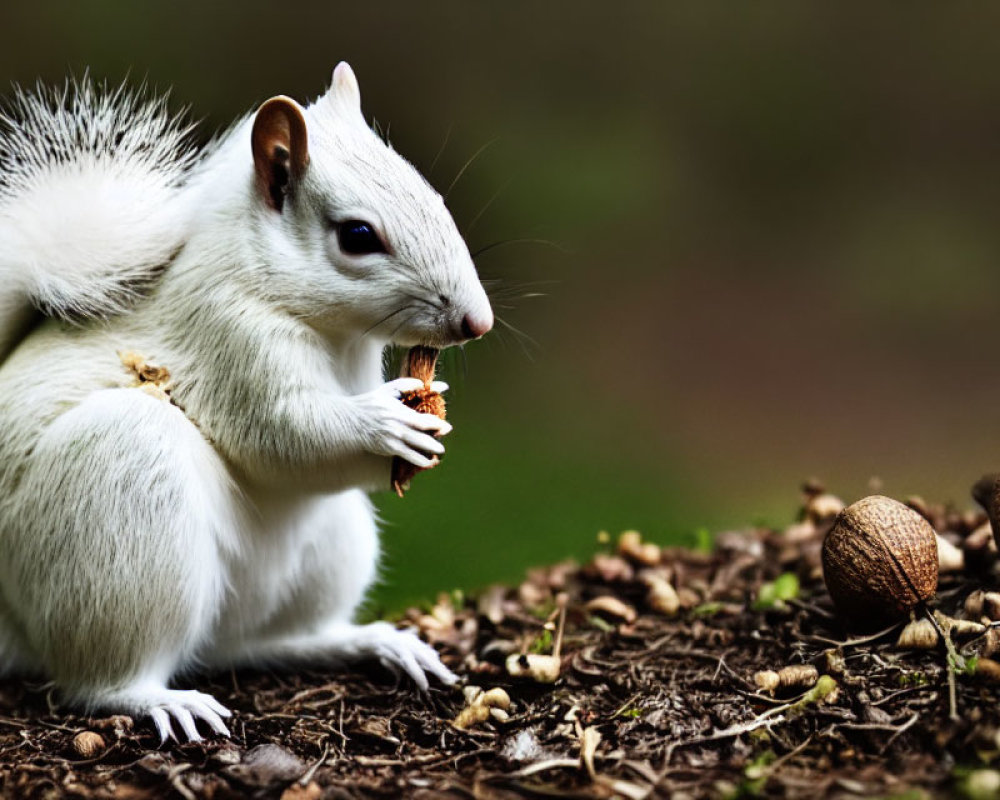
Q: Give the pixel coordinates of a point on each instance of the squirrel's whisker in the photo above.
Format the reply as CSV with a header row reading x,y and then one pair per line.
x,y
440,152
467,164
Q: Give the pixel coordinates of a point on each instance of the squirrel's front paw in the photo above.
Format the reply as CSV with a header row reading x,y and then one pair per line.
x,y
393,429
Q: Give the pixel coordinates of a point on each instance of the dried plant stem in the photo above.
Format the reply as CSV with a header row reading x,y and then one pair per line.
x,y
953,659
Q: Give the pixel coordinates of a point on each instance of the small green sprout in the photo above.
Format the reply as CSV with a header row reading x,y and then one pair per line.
x,y
600,624
915,678
704,542
543,644
776,593
756,773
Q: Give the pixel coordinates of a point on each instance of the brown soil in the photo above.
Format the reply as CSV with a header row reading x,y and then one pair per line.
x,y
662,705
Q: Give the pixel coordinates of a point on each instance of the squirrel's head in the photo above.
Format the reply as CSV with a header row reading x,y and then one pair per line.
x,y
358,241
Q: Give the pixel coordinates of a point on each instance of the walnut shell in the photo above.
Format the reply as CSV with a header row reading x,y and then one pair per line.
x,y
420,363
880,560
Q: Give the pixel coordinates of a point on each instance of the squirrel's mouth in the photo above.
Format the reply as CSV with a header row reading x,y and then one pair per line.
x,y
446,334
446,329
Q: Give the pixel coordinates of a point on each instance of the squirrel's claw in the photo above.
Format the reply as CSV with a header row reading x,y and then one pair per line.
x,y
161,719
184,708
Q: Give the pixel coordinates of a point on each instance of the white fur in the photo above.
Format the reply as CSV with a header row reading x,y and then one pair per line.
x,y
220,517
90,203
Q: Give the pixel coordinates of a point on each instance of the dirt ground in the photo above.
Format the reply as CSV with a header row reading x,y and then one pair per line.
x,y
654,693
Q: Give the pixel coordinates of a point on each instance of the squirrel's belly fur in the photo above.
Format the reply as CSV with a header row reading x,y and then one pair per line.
x,y
271,561
188,435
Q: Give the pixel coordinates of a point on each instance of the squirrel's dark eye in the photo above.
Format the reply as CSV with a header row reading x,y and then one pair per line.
x,y
357,238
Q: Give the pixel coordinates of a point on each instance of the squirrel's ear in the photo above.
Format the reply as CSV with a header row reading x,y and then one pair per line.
x,y
344,88
280,148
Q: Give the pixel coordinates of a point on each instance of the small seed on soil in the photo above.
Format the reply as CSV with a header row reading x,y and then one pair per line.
x,y
767,680
480,706
798,676
918,635
823,507
950,557
879,561
922,635
89,744
612,607
965,628
612,568
631,546
974,604
496,698
661,597
794,676
539,668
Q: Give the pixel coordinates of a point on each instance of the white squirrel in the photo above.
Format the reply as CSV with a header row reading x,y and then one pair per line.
x,y
192,405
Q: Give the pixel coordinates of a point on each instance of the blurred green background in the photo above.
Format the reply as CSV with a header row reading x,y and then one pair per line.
x,y
765,236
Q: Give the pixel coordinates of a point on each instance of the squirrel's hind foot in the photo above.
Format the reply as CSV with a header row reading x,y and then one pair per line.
x,y
167,706
403,651
340,643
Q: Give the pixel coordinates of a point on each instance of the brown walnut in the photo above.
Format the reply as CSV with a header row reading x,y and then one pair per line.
x,y
880,560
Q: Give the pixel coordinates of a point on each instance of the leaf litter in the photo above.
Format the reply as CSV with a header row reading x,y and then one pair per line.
x,y
647,672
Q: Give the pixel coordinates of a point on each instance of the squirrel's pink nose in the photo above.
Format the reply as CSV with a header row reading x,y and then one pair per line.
x,y
477,324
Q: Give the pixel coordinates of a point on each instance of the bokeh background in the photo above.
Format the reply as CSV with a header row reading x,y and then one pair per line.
x,y
745,243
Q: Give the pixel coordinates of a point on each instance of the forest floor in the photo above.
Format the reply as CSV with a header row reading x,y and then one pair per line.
x,y
654,692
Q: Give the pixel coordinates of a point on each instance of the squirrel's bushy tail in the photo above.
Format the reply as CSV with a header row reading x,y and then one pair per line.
x,y
90,199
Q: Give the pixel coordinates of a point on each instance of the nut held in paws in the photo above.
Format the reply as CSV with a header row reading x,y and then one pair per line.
x,y
420,363
879,561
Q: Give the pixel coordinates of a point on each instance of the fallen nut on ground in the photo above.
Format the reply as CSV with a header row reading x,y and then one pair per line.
x,y
539,668
482,706
612,607
631,546
921,634
89,744
795,676
661,597
880,560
